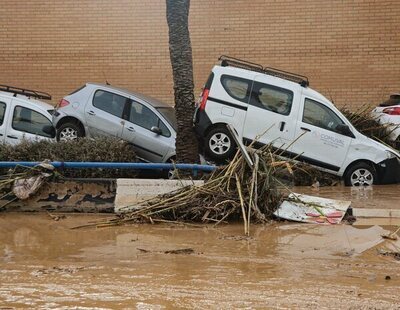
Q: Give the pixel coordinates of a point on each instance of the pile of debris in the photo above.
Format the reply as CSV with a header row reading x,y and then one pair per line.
x,y
24,182
247,188
362,120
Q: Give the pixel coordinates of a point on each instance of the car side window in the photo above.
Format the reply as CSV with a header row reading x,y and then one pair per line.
x,y
27,120
109,102
144,117
320,115
272,98
237,88
2,112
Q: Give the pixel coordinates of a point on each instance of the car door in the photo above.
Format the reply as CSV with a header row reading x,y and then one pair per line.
x,y
103,114
4,111
26,123
321,143
270,114
149,145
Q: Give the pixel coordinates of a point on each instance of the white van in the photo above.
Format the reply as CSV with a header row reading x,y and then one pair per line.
x,y
277,107
23,117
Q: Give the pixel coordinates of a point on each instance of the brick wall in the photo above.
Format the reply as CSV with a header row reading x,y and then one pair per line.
x,y
349,49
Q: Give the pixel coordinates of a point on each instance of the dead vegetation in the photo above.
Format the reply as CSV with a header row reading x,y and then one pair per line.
x,y
23,182
233,192
362,120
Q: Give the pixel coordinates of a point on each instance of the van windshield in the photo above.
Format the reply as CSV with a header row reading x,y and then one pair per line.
x,y
169,115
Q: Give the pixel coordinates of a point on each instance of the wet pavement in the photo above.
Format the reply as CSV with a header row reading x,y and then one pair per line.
x,y
45,264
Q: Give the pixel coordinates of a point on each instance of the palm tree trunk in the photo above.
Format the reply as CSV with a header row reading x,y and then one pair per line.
x,y
182,68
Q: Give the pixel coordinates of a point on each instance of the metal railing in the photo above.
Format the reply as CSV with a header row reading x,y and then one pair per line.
x,y
111,165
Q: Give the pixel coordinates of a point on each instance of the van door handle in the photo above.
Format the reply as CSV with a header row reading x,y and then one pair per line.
x,y
131,129
91,113
282,126
306,129
12,137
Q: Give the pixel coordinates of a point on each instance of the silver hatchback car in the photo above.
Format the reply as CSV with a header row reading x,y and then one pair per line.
x,y
101,110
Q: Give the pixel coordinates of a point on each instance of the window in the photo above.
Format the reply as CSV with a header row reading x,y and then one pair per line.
x,y
30,121
109,102
321,116
169,115
2,112
144,117
272,98
237,88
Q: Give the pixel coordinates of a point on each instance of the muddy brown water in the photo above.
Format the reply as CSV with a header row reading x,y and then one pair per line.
x,y
45,264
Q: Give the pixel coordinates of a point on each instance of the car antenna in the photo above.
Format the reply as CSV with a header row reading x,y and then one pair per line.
x,y
105,78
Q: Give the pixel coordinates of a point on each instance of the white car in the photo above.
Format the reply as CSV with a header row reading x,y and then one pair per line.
x,y
388,113
276,107
23,116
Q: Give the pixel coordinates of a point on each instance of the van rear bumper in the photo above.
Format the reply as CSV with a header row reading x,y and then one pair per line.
x,y
201,123
389,171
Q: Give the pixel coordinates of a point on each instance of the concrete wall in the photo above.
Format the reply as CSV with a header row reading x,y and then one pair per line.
x,y
349,49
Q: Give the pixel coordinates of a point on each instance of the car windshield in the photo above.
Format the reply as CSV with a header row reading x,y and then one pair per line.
x,y
169,115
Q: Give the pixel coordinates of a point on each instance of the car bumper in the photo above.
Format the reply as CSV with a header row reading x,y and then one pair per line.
x,y
57,115
389,171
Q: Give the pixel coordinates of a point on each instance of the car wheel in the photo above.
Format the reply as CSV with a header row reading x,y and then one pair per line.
x,y
69,131
219,144
360,174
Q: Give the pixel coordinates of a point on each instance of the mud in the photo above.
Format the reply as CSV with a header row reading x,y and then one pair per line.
x,y
45,264
377,196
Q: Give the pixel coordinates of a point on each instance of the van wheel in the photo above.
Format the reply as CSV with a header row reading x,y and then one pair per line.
x,y
69,131
219,144
360,174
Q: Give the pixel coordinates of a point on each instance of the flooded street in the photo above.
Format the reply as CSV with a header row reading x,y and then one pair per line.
x,y
45,264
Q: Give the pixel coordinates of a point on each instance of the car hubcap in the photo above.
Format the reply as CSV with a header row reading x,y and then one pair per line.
x,y
362,177
220,143
68,133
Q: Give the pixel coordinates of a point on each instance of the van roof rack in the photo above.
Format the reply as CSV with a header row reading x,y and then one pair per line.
x,y
243,64
26,92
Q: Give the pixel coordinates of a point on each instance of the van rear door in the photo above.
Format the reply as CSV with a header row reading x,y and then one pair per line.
x,y
271,114
321,142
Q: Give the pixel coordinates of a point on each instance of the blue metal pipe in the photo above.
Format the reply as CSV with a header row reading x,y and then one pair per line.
x,y
109,165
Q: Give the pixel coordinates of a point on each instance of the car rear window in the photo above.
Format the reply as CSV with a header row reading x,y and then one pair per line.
x,y
237,88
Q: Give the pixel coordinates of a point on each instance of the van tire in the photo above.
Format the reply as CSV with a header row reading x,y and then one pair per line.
x,y
69,131
219,145
360,174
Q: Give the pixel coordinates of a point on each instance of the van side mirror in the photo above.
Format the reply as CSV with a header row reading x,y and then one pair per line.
x,y
156,130
344,130
50,130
